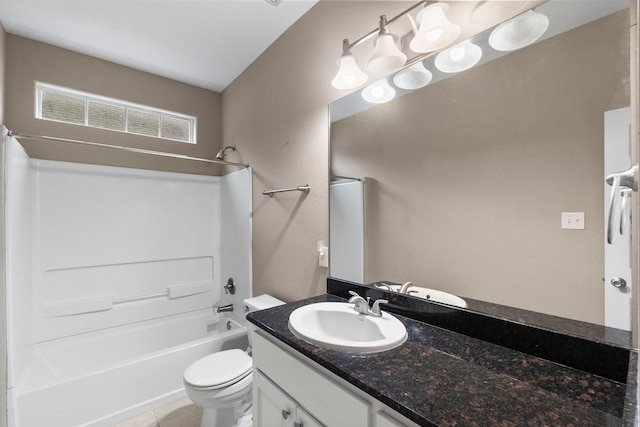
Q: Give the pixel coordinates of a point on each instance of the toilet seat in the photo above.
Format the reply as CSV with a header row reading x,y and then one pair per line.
x,y
218,370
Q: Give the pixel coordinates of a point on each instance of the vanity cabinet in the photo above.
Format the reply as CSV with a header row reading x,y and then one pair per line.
x,y
273,408
386,420
309,394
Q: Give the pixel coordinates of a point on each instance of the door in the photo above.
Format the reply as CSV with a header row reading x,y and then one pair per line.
x,y
346,229
617,244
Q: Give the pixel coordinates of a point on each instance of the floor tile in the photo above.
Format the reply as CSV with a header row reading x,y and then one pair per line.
x,y
148,419
182,413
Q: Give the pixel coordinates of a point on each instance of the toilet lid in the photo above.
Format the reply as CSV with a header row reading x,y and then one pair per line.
x,y
218,369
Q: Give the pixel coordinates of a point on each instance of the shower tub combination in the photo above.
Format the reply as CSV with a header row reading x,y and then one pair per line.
x,y
107,377
112,274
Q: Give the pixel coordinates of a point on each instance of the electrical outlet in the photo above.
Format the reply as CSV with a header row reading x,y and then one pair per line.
x,y
573,220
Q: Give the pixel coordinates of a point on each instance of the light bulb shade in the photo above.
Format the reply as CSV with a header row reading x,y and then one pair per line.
x,y
386,57
349,76
519,32
413,77
435,31
459,57
378,92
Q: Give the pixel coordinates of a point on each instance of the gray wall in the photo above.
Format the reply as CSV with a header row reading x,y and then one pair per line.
x,y
29,61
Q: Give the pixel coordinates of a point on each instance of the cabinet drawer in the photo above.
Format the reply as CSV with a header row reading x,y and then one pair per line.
x,y
319,395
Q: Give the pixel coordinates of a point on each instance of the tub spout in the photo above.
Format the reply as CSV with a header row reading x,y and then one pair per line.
x,y
223,308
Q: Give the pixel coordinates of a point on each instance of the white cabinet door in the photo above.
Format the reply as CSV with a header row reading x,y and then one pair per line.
x,y
271,407
303,419
331,403
385,420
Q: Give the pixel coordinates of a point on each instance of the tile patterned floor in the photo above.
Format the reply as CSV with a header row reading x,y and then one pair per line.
x,y
182,413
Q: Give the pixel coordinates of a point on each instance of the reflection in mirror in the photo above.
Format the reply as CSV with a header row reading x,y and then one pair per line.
x,y
461,186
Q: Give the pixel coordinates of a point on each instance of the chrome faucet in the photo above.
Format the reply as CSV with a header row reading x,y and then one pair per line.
x,y
223,308
383,286
375,311
405,288
361,305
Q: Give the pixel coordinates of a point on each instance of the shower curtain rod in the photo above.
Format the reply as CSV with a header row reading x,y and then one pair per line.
x,y
123,148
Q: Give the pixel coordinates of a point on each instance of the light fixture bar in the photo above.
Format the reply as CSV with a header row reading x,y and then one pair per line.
x,y
376,31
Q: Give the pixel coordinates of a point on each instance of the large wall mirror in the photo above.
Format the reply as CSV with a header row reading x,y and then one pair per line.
x,y
475,183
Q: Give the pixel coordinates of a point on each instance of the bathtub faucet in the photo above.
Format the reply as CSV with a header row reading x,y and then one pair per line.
x,y
222,308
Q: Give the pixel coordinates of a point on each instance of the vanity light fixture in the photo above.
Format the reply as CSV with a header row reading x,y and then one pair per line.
x,y
459,57
519,32
435,31
413,77
386,57
378,92
349,76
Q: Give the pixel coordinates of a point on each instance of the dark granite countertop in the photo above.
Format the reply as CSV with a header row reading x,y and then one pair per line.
x,y
443,378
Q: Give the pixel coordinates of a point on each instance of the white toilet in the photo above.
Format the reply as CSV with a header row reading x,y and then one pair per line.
x,y
220,383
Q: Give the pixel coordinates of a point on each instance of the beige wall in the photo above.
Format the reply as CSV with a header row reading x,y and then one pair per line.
x,y
29,61
472,173
277,112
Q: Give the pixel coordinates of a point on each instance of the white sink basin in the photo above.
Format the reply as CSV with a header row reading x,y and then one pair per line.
x,y
434,295
338,326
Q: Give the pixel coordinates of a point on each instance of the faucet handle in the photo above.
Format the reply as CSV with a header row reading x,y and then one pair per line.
x,y
375,310
353,294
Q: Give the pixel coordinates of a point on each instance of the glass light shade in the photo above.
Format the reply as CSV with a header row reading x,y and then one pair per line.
x,y
378,92
459,57
386,57
349,75
435,31
413,77
519,32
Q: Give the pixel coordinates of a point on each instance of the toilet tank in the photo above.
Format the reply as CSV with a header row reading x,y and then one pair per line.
x,y
261,302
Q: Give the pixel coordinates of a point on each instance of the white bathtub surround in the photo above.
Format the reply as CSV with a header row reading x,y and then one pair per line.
x,y
112,276
116,374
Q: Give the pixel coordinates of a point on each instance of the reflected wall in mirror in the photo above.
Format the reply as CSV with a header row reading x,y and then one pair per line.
x,y
467,178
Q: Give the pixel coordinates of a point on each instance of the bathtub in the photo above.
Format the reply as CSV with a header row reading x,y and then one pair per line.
x,y
107,376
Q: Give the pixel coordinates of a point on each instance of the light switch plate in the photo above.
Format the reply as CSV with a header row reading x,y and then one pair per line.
x,y
573,220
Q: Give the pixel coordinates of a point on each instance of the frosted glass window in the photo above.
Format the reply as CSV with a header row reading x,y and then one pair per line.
x,y
107,116
175,128
143,123
63,108
79,108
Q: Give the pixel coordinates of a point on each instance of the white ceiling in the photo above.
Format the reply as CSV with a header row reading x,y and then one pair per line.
x,y
207,43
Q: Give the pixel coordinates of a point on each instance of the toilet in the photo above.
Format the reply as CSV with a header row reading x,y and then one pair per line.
x,y
220,383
